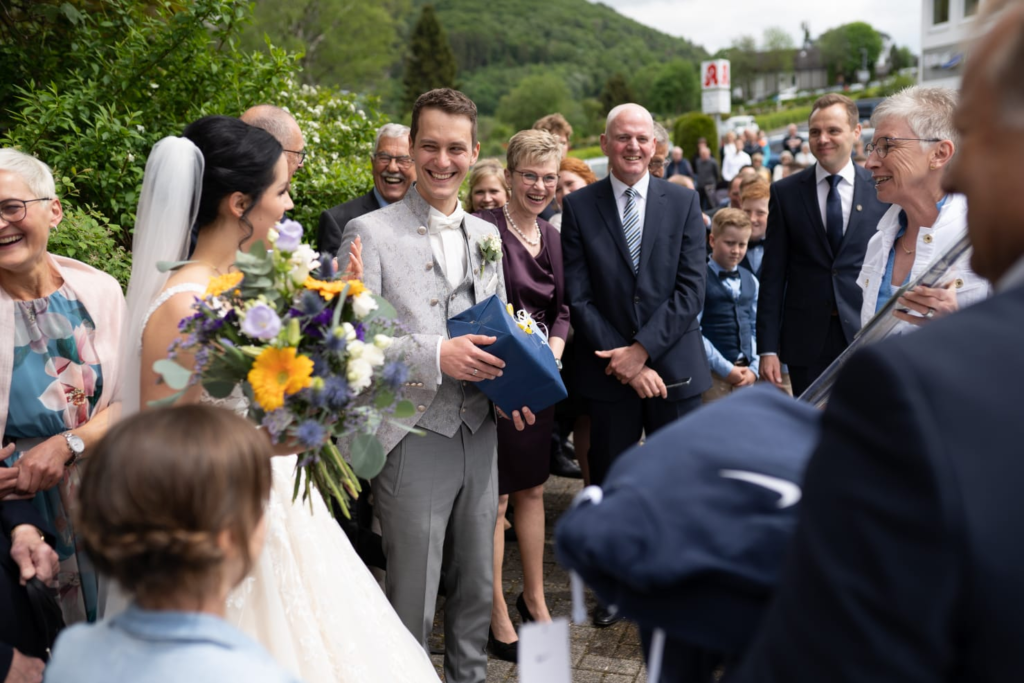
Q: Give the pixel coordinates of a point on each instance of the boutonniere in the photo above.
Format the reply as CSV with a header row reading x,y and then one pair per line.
x,y
490,251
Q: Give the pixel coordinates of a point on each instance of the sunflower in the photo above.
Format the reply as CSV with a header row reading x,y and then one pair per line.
x,y
222,283
277,372
330,289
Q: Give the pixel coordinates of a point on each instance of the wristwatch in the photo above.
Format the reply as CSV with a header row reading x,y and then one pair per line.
x,y
75,445
558,364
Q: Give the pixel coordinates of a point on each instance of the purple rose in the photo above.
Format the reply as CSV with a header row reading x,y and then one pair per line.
x,y
261,322
289,235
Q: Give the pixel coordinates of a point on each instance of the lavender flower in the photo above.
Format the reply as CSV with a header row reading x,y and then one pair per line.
x,y
261,322
310,433
395,374
289,235
275,422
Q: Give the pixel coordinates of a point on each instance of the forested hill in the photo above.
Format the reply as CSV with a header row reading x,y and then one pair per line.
x,y
497,42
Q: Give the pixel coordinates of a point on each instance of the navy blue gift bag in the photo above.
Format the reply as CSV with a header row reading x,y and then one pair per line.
x,y
531,377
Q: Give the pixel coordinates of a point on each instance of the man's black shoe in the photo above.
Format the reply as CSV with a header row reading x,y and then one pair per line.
x,y
605,617
562,465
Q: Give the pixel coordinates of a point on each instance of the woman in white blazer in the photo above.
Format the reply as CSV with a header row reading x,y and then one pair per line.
x,y
914,140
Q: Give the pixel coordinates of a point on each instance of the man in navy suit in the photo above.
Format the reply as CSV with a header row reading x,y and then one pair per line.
x,y
819,224
635,257
905,566
393,175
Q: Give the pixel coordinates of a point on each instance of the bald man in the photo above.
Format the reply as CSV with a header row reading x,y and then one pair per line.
x,y
282,126
633,247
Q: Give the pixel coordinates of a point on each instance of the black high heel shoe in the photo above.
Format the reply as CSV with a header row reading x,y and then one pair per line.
x,y
507,652
524,611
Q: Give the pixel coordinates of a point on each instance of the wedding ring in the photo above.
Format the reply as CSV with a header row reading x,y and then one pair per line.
x,y
930,313
475,370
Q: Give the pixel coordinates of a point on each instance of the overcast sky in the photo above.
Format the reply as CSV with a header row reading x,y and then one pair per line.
x,y
695,20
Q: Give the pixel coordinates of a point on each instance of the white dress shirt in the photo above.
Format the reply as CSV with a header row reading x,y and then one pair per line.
x,y
732,163
449,247
640,200
448,243
844,186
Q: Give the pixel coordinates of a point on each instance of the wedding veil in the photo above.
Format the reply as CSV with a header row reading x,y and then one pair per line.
x,y
168,206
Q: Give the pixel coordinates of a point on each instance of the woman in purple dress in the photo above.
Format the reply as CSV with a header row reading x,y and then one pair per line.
x,y
532,265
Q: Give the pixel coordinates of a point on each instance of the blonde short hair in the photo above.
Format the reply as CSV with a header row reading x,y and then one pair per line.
x,y
729,218
532,145
33,172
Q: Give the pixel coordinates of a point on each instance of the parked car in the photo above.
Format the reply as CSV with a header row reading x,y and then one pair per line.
x,y
599,165
739,123
866,107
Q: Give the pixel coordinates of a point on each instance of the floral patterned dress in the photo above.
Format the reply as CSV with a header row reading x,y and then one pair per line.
x,y
56,383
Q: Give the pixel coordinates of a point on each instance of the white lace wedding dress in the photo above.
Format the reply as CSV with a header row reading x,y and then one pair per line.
x,y
309,599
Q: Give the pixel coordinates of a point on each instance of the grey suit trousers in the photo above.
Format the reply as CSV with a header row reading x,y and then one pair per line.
x,y
437,499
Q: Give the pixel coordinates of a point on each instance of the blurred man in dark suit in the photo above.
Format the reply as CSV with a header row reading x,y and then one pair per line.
x,y
393,175
905,567
819,224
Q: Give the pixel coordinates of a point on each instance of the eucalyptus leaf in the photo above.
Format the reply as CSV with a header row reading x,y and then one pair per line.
x,y
384,399
219,388
167,266
167,401
339,307
404,409
384,310
175,376
367,456
405,427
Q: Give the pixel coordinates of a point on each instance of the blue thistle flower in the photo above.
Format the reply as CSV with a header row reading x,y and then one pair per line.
x,y
275,422
395,374
310,433
311,303
335,392
335,341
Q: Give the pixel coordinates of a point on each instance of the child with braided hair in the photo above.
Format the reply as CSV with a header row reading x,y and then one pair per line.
x,y
171,506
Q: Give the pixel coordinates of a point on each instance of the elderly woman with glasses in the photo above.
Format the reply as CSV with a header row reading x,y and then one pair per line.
x,y
532,265
914,141
59,349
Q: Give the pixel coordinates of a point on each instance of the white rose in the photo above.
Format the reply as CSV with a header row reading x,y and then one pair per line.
x,y
363,304
350,332
372,355
355,349
382,341
359,374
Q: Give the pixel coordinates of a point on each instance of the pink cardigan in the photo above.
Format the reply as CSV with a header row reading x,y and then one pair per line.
x,y
102,297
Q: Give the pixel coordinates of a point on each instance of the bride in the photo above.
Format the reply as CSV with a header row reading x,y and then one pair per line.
x,y
309,600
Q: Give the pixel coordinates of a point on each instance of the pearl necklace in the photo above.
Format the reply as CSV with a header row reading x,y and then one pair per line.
x,y
508,217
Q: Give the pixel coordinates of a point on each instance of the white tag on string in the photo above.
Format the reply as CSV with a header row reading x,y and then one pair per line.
x,y
544,652
656,654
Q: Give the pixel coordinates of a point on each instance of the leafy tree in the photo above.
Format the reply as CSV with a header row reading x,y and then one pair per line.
x,y
431,62
777,50
743,58
616,91
691,127
901,58
534,97
346,44
841,49
93,85
676,89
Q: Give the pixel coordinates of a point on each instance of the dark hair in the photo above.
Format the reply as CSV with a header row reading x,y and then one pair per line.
x,y
159,489
238,158
449,101
832,99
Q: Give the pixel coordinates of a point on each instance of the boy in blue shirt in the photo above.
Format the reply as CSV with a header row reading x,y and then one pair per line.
x,y
730,307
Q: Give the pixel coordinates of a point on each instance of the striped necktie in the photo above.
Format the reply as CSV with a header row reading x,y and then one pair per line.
x,y
631,227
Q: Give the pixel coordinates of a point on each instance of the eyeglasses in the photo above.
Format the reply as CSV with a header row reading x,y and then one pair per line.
x,y
385,159
302,155
656,164
532,178
14,210
883,145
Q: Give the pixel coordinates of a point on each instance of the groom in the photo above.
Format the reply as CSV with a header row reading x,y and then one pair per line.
x,y
437,496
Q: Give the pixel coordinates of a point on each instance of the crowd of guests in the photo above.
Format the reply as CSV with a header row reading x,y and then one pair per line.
x,y
654,297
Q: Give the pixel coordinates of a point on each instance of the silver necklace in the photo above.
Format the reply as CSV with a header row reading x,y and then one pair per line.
x,y
508,217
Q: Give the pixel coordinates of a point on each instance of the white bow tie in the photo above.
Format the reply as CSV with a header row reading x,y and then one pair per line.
x,y
437,223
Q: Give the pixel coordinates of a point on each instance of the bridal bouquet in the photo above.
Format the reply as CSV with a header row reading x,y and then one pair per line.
x,y
306,347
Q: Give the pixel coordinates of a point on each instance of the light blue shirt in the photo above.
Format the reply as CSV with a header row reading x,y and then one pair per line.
x,y
754,257
719,365
380,198
145,646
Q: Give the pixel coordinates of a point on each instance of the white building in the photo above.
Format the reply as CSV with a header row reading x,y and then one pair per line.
x,y
946,28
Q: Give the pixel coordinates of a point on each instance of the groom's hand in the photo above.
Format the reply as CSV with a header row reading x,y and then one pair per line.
x,y
462,359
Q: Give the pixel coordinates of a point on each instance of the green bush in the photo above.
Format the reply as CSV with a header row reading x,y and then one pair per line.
x,y
90,87
691,127
591,152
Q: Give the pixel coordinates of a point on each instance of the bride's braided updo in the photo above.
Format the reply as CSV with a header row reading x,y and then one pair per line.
x,y
160,489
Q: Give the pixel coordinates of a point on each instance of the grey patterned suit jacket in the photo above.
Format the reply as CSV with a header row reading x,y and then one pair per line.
x,y
398,265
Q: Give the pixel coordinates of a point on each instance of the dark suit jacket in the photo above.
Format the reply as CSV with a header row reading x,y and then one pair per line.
x,y
906,565
802,281
333,221
17,628
611,306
